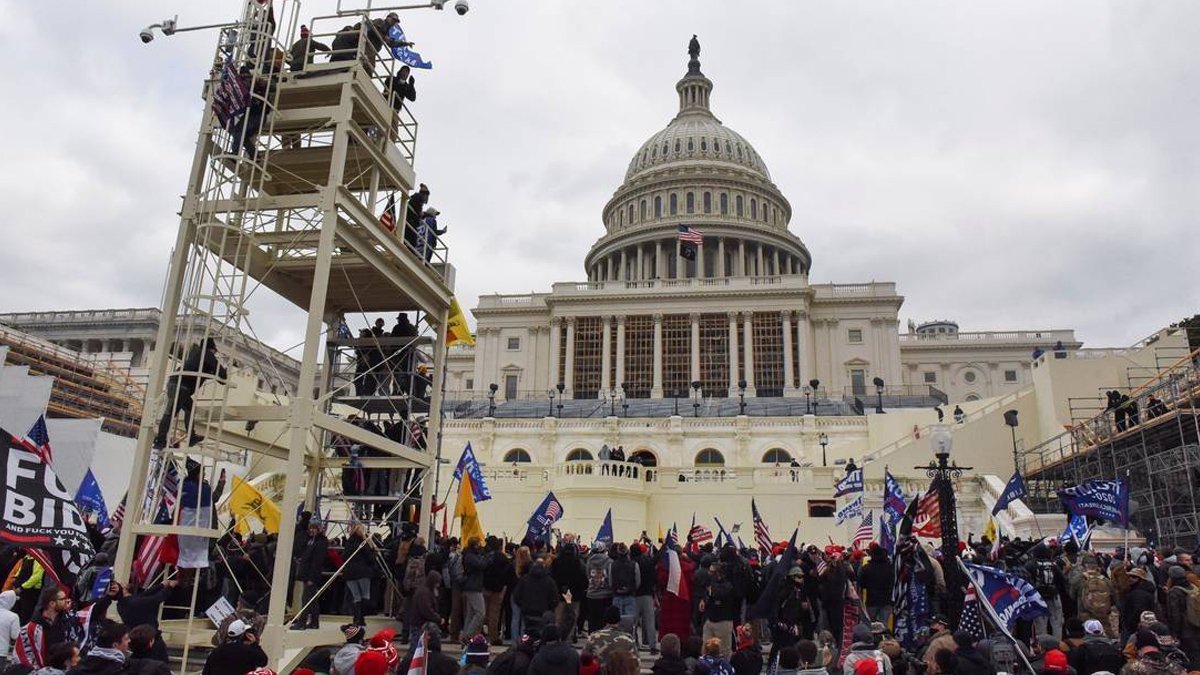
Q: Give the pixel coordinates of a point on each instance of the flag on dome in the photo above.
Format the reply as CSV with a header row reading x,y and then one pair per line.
x,y
690,235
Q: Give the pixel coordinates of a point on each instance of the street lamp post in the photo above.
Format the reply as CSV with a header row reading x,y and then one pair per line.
x,y
814,384
742,397
879,396
1010,418
550,395
675,396
823,439
943,472
696,398
561,387
492,399
807,400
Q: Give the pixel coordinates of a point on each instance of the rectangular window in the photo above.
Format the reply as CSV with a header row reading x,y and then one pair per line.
x,y
1010,376
858,382
514,344
855,336
470,383
510,387
822,508
930,377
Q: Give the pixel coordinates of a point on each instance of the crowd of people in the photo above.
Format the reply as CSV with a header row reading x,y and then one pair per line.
x,y
532,609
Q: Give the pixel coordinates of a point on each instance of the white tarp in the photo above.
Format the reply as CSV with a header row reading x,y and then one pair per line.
x,y
73,443
22,398
112,465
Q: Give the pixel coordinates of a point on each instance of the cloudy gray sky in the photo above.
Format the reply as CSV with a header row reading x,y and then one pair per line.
x,y
1010,164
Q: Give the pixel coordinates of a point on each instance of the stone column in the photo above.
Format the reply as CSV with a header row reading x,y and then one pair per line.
x,y
641,264
748,351
740,267
624,273
621,351
680,272
695,361
775,262
555,346
569,374
700,261
605,354
805,342
733,354
836,376
659,268
720,265
759,271
608,274
656,390
789,382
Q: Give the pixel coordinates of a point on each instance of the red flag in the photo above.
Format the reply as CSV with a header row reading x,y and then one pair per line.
x,y
928,520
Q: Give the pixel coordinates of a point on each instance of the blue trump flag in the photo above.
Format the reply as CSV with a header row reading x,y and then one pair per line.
x,y
468,463
852,483
544,516
1078,530
1012,492
606,532
1011,598
90,499
401,51
893,498
1107,499
101,582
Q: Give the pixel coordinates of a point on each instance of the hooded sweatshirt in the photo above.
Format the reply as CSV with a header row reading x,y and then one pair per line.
x,y
344,659
555,658
10,624
599,572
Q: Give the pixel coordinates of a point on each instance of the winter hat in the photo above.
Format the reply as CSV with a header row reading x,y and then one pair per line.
x,y
371,662
745,638
1093,627
303,31
1176,573
477,650
354,632
1055,661
262,671
236,629
866,667
1139,573
1146,639
1047,642
862,633
1146,618
381,642
795,572
877,628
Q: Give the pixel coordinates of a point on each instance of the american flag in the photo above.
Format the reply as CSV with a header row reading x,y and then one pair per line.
x,y
37,440
231,95
698,534
388,218
416,434
690,235
554,510
928,520
971,619
417,663
865,532
151,553
118,516
761,536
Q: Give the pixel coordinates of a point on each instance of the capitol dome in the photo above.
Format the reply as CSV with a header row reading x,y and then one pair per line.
x,y
699,174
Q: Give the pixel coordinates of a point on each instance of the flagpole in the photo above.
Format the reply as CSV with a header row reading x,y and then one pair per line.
x,y
983,600
1126,486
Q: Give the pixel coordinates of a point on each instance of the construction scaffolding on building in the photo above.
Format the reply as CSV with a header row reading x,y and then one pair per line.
x,y
291,170
1152,442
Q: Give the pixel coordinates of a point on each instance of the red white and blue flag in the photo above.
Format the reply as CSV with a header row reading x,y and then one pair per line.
x,y
37,440
762,537
698,534
865,532
231,96
156,550
417,663
690,235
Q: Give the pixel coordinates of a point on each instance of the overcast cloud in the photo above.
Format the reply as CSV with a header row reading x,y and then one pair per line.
x,y
1009,164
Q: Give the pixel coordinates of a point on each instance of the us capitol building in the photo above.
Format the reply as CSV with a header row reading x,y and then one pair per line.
x,y
715,368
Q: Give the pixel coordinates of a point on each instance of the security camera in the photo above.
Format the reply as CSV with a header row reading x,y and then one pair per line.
x,y
462,7
147,34
169,25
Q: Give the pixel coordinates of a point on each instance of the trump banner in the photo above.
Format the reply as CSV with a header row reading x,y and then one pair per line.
x,y
1107,499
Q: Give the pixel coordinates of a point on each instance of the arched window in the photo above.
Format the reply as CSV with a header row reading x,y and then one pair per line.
x,y
972,397
710,457
703,145
739,150
653,153
708,202
677,146
517,455
631,214
621,218
579,455
644,457
674,203
738,206
724,203
643,209
691,202
753,209
717,145
666,148
777,456
691,145
658,207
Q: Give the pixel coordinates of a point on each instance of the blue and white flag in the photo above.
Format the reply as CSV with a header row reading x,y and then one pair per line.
x,y
853,509
1012,492
606,531
471,465
101,581
1010,597
544,516
1078,531
852,483
894,503
405,54
90,499
1107,499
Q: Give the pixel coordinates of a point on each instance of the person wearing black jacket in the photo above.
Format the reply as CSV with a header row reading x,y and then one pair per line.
x,y
971,661
1142,596
875,579
143,643
556,657
643,613
498,576
474,562
719,606
413,215
357,572
240,653
309,568
141,609
535,594
403,87
569,573
182,386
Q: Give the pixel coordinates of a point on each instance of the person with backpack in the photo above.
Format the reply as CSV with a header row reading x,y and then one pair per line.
x,y
1183,612
599,589
453,577
535,594
497,578
568,572
626,577
1047,578
1097,653
644,614
1095,593
1140,599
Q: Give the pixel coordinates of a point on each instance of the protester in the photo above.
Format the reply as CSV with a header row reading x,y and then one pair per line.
x,y
671,662
310,566
108,656
240,653
302,51
201,360
10,623
555,656
612,636
63,656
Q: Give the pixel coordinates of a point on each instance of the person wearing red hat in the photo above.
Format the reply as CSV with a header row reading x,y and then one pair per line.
x,y
302,51
371,662
748,657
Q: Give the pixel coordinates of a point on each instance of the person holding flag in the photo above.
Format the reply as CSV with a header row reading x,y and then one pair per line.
x,y
674,579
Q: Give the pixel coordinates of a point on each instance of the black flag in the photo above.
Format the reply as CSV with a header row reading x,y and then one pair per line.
x,y
35,510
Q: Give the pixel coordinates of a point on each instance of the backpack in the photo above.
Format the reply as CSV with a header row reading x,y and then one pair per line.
x,y
1044,579
1193,606
598,581
414,572
624,577
1102,655
1097,595
454,570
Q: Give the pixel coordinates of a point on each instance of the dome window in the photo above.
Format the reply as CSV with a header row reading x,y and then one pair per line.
x,y
631,214
643,209
717,145
753,209
708,202
691,145
674,203
691,202
724,204
703,145
658,207
654,153
677,146
739,150
666,149
738,206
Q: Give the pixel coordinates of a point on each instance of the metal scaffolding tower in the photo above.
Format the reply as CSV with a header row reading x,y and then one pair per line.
x,y
285,195
1153,442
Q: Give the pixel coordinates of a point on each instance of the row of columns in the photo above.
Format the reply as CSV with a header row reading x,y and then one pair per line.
x,y
791,332
139,347
637,263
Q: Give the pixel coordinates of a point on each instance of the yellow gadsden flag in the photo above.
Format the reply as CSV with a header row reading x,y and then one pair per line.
x,y
246,502
457,329
465,510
